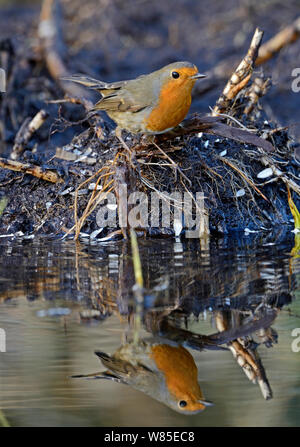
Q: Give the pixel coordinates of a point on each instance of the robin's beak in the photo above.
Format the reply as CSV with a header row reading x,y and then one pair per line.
x,y
207,403
198,76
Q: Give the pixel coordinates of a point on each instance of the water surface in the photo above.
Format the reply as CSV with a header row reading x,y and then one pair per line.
x,y
61,301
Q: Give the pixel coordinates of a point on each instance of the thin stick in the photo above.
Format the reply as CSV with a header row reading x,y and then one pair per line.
x,y
27,168
173,163
89,208
67,99
223,69
214,125
241,76
28,128
53,47
231,118
285,37
266,161
76,195
258,89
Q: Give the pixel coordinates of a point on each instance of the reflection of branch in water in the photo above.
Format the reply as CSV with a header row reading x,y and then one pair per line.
x,y
159,323
245,352
163,369
239,339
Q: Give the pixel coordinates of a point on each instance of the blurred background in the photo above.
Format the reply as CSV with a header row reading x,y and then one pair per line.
x,y
118,39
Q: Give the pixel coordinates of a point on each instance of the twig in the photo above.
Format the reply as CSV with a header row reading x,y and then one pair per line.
x,y
258,89
285,37
175,165
231,118
27,168
93,200
213,125
241,75
277,172
87,104
223,69
62,154
28,128
53,47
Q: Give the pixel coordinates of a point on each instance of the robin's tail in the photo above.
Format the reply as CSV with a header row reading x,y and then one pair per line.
x,y
87,81
109,375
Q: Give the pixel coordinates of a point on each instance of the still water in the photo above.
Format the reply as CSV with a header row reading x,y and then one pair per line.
x,y
216,317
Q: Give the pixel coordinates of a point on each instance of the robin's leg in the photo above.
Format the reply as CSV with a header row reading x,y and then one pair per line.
x,y
118,133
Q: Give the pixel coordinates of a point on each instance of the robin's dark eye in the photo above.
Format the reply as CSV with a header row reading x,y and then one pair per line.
x,y
182,403
175,74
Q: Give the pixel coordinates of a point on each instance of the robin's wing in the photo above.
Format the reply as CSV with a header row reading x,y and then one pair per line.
x,y
122,101
121,368
119,96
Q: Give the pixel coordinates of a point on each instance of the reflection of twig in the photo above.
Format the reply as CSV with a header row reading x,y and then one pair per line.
x,y
3,421
139,284
246,356
241,75
136,260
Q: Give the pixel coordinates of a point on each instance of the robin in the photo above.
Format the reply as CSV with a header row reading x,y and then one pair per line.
x,y
165,372
150,104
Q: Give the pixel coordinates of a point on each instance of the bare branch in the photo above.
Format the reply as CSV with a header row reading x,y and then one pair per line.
x,y
28,128
285,37
241,75
27,168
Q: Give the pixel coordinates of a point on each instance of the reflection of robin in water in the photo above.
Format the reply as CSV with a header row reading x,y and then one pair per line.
x,y
150,104
166,373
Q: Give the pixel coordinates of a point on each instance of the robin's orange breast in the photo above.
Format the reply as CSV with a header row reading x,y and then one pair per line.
x,y
180,371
